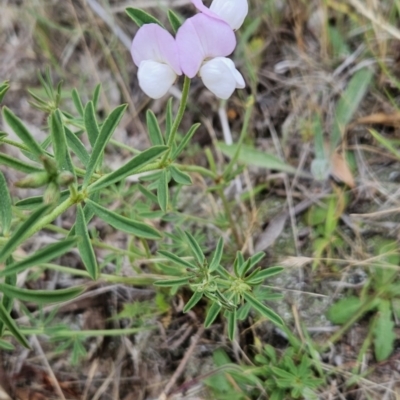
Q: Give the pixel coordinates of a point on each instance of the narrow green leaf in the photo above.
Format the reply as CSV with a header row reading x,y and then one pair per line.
x,y
262,309
77,102
250,156
58,140
19,234
85,245
141,17
87,213
105,134
12,327
41,296
197,296
148,194
129,168
91,125
42,256
385,143
169,119
349,103
5,206
18,165
256,258
8,301
96,95
180,177
77,147
22,132
172,282
174,20
196,249
3,90
124,224
216,260
6,345
35,201
231,324
162,190
154,129
384,335
264,274
212,313
185,141
176,259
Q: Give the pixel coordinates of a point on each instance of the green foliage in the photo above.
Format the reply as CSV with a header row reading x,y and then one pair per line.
x,y
5,206
141,17
3,90
291,375
174,20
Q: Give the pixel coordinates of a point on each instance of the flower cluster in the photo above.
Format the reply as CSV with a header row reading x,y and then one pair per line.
x,y
201,47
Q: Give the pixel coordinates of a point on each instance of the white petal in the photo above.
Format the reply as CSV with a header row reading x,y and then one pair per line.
x,y
220,76
231,11
155,78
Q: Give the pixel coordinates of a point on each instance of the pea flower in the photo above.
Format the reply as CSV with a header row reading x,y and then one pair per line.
x,y
155,52
233,12
203,43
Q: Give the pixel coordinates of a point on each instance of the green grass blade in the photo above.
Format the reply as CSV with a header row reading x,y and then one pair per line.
x,y
349,103
5,206
105,134
41,296
131,167
124,224
85,245
42,256
22,132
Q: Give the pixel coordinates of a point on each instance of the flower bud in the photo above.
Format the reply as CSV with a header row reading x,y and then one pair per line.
x,y
51,194
65,178
35,180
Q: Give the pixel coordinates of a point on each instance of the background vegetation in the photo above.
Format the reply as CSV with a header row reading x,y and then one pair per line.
x,y
314,187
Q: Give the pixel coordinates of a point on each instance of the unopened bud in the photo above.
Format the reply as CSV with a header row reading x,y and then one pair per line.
x,y
35,180
49,165
51,194
65,178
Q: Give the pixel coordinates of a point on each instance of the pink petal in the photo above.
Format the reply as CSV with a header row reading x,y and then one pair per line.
x,y
201,7
201,37
152,42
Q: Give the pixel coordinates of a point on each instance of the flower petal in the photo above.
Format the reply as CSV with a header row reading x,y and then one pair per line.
x,y
201,7
155,78
231,11
152,42
202,37
221,77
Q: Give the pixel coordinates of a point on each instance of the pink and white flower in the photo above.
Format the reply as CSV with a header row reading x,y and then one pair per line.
x,y
233,12
155,52
203,44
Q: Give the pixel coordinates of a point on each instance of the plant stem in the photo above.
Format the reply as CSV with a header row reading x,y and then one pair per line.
x,y
228,213
178,119
50,217
198,169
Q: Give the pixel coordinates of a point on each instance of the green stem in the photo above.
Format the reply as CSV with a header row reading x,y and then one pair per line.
x,y
60,209
228,214
198,169
178,119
